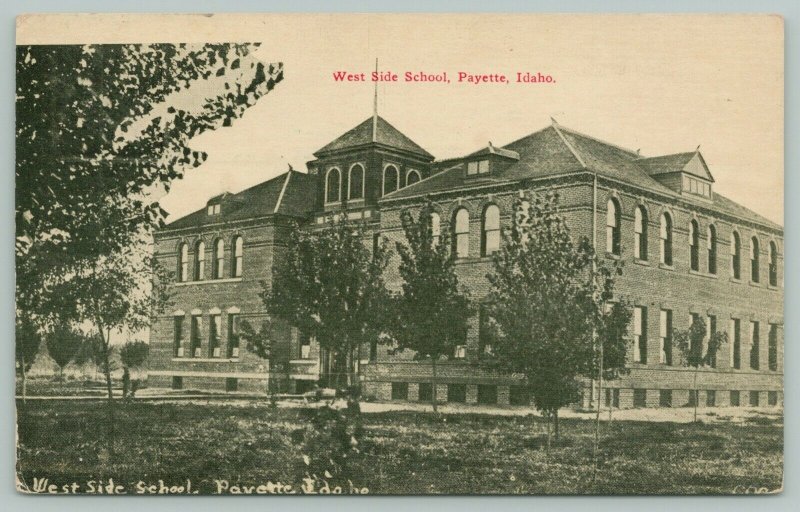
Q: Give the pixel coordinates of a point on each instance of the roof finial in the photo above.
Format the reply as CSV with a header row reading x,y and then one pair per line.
x,y
697,149
375,107
553,119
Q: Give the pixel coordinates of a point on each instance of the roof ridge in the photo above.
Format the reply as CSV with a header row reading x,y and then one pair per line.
x,y
283,190
601,141
668,155
569,146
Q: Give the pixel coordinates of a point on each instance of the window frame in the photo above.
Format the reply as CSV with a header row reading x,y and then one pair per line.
x,y
613,220
665,236
640,220
461,238
694,245
237,259
397,174
218,266
362,195
711,246
490,231
338,200
755,259
183,262
199,271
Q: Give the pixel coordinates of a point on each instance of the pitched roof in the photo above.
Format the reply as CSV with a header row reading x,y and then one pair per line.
x,y
361,135
556,150
286,194
691,162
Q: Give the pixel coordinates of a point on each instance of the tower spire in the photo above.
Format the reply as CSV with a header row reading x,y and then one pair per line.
x,y
375,108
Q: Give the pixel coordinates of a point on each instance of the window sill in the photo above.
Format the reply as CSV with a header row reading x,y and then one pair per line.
x,y
207,359
755,284
644,263
612,256
703,274
664,266
772,287
210,281
735,280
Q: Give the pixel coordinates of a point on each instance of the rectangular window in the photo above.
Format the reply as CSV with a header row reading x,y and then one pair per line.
x,y
483,167
399,390
487,394
754,399
772,398
305,346
518,395
608,397
425,392
214,330
711,330
640,398
735,399
457,393
196,336
640,334
665,398
773,347
693,397
177,382
231,384
711,398
178,337
472,168
736,344
665,336
754,346
460,352
233,335
615,396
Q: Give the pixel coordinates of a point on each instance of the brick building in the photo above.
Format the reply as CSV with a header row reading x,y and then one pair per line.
x,y
687,251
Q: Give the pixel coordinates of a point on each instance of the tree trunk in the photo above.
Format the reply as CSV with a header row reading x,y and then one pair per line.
x,y
696,397
107,371
555,423
24,379
433,385
549,428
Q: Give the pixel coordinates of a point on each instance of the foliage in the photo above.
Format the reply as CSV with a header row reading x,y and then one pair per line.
x,y
431,314
28,341
546,303
690,343
612,332
258,342
330,286
93,351
134,354
63,344
98,128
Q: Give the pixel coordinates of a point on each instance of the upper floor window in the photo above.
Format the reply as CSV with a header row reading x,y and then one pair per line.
x,y
436,229
214,209
695,186
478,167
219,259
711,242
199,261
412,176
391,179
736,256
694,246
355,184
754,253
490,241
183,262
612,227
665,239
640,230
333,186
461,233
238,256
773,264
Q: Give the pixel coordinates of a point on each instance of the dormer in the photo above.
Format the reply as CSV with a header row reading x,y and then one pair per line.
x,y
685,173
214,205
489,160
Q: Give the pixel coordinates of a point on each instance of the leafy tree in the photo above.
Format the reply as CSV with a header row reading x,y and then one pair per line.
x,y
690,343
133,355
546,304
63,344
431,314
28,341
329,285
259,342
99,127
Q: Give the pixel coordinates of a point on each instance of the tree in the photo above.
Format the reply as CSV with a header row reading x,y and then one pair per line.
x,y
63,344
329,285
259,342
28,341
431,314
133,355
99,127
690,343
546,304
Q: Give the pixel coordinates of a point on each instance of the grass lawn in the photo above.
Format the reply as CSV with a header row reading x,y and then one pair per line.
x,y
400,452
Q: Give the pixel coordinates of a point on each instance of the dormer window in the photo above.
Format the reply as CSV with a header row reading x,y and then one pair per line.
x,y
696,186
213,209
477,167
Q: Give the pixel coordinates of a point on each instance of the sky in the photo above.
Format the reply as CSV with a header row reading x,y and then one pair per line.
x,y
659,83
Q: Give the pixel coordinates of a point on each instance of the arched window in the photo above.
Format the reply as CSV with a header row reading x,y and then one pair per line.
x,y
412,177
436,229
736,256
333,186
490,239
199,261
461,233
612,227
355,184
694,246
754,252
219,259
391,179
665,238
640,229
238,256
773,264
183,262
711,241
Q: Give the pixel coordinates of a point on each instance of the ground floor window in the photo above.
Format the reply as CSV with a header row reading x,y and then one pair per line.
x,y
711,398
518,395
754,398
177,382
693,398
487,394
231,384
425,392
735,399
640,398
665,398
772,398
457,393
303,386
399,390
612,397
